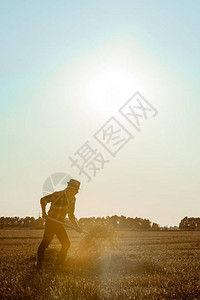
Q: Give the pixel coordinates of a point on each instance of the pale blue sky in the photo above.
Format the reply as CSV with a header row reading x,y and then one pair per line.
x,y
51,53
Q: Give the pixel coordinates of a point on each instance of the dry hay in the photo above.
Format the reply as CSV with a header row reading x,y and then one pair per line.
x,y
99,239
97,254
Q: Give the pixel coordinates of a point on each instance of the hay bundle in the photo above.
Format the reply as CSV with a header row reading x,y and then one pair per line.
x,y
99,238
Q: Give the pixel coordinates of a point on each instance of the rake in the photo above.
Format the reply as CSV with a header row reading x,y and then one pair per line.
x,y
66,225
94,239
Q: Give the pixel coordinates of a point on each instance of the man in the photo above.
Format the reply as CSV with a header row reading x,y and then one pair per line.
x,y
62,203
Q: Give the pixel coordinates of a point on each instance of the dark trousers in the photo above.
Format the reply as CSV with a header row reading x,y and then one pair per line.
x,y
52,228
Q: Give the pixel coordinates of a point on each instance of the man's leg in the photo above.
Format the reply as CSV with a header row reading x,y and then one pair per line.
x,y
47,238
64,240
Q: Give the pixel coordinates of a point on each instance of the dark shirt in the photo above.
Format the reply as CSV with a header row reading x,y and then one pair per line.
x,y
61,205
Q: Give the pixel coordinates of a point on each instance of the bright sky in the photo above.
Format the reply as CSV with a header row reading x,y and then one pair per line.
x,y
66,69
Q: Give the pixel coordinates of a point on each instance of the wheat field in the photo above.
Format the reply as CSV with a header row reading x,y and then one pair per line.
x,y
140,265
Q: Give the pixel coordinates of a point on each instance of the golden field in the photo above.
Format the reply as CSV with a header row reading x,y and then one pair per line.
x,y
143,265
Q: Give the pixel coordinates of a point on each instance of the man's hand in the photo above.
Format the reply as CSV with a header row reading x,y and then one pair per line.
x,y
44,216
78,229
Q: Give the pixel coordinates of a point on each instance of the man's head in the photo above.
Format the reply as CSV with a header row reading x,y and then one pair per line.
x,y
73,187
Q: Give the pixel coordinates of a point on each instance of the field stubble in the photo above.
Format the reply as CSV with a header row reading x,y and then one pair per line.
x,y
139,265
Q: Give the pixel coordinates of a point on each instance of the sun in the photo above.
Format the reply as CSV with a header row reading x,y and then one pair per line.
x,y
106,88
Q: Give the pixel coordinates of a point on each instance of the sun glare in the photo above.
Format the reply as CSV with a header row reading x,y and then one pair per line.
x,y
107,88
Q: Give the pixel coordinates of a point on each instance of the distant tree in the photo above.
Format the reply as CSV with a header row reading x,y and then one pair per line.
x,y
29,222
86,222
189,223
122,222
173,228
146,224
2,222
39,222
114,221
155,226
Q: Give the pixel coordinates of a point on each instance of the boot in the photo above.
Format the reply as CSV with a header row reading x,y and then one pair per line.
x,y
39,260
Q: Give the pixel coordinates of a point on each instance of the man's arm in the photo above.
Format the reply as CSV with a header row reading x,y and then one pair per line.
x,y
74,222
43,206
44,200
72,216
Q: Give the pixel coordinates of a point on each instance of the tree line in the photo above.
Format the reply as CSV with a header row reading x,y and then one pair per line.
x,y
119,222
17,222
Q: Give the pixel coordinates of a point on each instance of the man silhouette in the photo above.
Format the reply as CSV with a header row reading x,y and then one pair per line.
x,y
62,203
